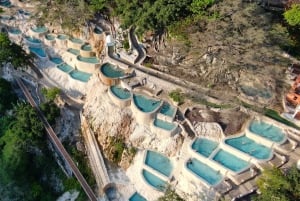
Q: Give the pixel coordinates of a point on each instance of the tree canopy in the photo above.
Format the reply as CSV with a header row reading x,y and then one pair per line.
x,y
7,97
275,185
13,53
292,15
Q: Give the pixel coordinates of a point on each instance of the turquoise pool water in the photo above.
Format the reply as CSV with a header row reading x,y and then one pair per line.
x,y
15,31
50,37
154,180
56,60
230,161
38,51
79,75
208,174
32,40
86,47
40,29
164,124
145,104
204,146
6,4
267,131
120,92
62,37
250,147
73,51
159,162
65,67
137,197
167,109
111,71
97,30
76,40
92,60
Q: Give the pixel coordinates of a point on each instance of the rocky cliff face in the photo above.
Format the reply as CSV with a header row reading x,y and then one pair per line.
x,y
110,122
237,51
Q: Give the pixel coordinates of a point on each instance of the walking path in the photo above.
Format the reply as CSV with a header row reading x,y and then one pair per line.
x,y
58,145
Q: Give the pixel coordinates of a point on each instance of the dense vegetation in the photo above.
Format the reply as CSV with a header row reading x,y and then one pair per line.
x,y
276,185
13,53
26,165
7,98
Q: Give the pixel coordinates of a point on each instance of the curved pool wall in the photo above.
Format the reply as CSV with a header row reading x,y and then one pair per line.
x,y
75,43
98,33
80,76
85,64
110,74
49,39
144,117
153,180
198,171
61,40
120,96
38,31
158,163
265,131
163,128
246,148
136,197
56,60
86,51
14,31
39,52
33,42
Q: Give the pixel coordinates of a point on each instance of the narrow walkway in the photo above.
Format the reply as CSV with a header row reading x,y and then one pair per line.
x,y
99,167
58,145
137,46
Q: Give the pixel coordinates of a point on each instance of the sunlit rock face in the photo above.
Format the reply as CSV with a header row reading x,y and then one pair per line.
x,y
109,121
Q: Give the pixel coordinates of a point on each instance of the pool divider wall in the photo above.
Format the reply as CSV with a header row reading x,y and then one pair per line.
x,y
61,43
107,80
164,177
144,117
260,139
37,34
70,59
85,66
165,117
122,103
74,45
32,44
48,42
241,154
208,161
86,53
163,132
149,185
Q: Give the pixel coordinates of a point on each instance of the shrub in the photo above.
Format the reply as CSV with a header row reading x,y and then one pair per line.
x,y
177,96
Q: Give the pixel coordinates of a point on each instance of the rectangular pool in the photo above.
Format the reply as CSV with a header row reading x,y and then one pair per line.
x,y
205,172
250,147
230,161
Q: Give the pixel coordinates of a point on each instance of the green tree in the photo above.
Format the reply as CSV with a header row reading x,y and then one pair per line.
x,y
51,111
275,185
199,6
7,97
13,53
170,195
51,93
292,15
